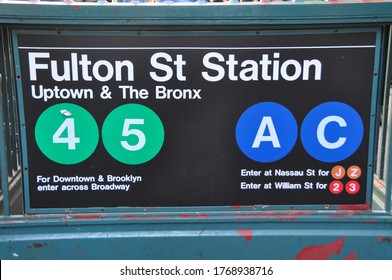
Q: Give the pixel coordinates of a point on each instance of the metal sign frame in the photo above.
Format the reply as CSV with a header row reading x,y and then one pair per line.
x,y
193,233
26,120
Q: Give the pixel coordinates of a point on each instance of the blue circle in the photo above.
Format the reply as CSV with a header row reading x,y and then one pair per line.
x,y
332,132
266,132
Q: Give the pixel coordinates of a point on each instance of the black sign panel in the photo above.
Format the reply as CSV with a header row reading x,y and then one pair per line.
x,y
156,121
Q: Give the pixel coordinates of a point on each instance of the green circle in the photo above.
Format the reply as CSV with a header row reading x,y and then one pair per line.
x,y
66,133
133,134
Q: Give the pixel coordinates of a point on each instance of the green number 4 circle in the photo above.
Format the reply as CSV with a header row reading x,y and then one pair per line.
x,y
66,133
133,134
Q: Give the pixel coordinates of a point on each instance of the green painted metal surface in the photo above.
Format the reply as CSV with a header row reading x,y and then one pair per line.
x,y
238,235
185,16
250,232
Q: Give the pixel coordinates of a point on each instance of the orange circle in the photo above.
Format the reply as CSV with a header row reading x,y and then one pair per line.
x,y
338,172
354,172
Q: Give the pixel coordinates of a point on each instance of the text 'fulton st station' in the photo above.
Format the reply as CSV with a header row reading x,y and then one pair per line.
x,y
80,67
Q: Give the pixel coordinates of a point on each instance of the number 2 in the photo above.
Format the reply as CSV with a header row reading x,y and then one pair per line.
x,y
336,187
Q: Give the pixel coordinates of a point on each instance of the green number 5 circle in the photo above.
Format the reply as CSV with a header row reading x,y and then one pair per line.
x,y
66,133
133,134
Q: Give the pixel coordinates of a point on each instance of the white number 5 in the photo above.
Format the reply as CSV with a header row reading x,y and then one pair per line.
x,y
137,132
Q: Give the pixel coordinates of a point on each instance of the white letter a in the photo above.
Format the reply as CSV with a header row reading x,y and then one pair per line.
x,y
266,122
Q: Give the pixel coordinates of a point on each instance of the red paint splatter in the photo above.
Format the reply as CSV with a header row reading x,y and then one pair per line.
x,y
76,8
286,217
129,216
235,207
87,217
184,216
338,216
187,216
351,256
355,207
302,212
321,252
384,239
247,233
380,239
7,222
203,216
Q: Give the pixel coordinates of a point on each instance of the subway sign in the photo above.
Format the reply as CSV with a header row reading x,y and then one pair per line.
x,y
197,119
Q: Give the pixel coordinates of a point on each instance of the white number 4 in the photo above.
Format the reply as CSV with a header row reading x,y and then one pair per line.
x,y
137,132
69,126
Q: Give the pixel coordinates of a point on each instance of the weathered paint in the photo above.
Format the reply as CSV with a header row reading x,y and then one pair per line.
x,y
351,256
370,221
321,252
280,215
188,216
87,216
37,245
365,206
147,218
286,217
382,239
247,233
346,214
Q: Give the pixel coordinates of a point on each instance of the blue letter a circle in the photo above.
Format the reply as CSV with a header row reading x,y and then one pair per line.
x,y
266,132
